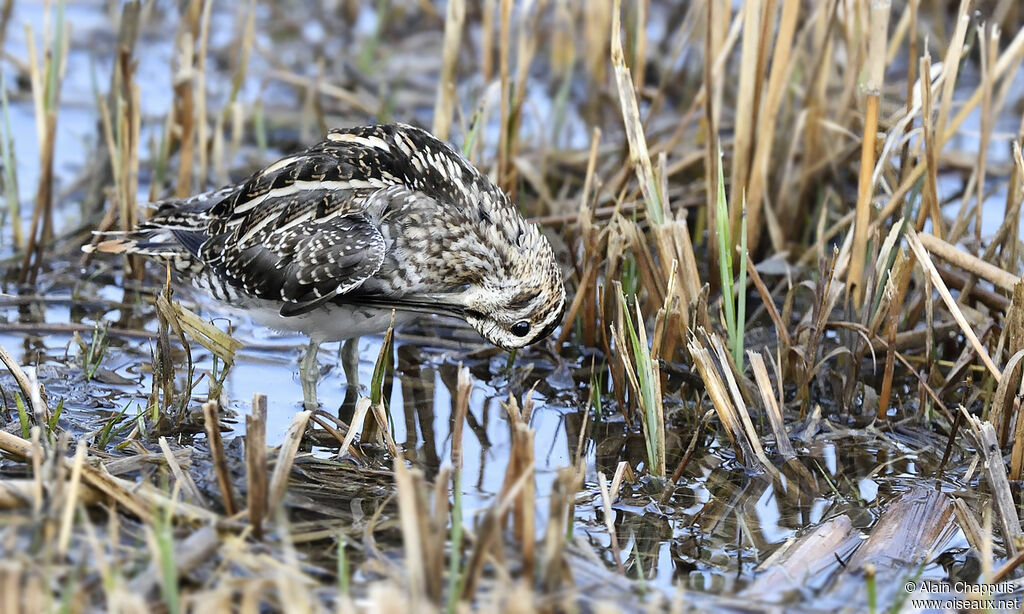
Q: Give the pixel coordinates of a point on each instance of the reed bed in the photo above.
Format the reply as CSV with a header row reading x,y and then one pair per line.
x,y
784,225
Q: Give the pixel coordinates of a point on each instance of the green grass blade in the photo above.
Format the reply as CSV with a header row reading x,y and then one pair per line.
x,y
455,575
741,298
26,427
724,251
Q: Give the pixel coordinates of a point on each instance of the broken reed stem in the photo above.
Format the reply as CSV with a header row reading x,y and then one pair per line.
x,y
504,50
256,463
778,85
455,578
969,262
211,420
890,355
455,16
519,478
71,500
286,457
954,310
879,21
639,156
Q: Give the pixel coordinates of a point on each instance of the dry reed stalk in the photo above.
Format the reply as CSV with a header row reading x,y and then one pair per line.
x,y
358,417
520,471
409,484
29,390
652,277
951,64
983,438
929,194
19,494
989,49
1006,568
611,316
5,18
826,296
120,129
256,463
873,90
926,262
211,420
286,457
41,225
815,103
968,523
747,105
36,455
894,305
184,110
727,400
554,570
1007,60
489,530
771,407
182,478
1005,395
527,28
101,174
674,246
639,156
591,238
1017,452
433,524
487,39
639,56
381,417
912,76
769,305
139,499
71,499
609,520
504,50
715,49
361,101
455,16
777,86
623,472
597,20
970,263
202,124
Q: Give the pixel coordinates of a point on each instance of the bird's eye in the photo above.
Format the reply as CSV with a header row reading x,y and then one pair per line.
x,y
520,328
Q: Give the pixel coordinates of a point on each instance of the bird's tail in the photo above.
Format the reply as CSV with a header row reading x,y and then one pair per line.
x,y
175,232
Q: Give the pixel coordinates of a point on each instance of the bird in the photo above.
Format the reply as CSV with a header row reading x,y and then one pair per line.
x,y
372,225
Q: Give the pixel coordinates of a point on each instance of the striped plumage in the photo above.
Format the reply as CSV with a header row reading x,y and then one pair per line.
x,y
328,241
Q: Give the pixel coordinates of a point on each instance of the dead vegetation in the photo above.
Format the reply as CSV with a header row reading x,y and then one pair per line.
x,y
792,237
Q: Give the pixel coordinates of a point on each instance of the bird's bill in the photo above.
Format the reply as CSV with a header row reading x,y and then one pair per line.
x,y
415,305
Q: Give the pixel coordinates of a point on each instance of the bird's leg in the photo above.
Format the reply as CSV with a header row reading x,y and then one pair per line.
x,y
350,362
309,375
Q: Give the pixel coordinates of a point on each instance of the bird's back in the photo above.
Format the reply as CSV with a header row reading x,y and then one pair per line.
x,y
368,208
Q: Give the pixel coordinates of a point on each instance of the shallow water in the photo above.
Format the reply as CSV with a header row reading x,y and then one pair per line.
x,y
720,523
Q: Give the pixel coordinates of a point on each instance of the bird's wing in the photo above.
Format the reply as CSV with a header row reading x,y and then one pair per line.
x,y
300,178
307,263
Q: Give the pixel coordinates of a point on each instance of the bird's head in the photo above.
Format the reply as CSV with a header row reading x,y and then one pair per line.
x,y
519,297
502,275
514,311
